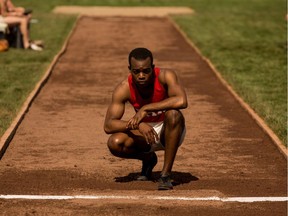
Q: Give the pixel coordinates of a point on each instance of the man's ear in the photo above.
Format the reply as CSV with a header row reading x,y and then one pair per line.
x,y
153,66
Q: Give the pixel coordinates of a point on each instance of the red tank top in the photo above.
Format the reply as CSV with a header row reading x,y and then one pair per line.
x,y
159,94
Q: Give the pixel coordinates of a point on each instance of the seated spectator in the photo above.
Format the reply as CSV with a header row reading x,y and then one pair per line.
x,y
3,25
14,18
11,8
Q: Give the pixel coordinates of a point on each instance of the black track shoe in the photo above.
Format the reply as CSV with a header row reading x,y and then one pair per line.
x,y
147,167
165,183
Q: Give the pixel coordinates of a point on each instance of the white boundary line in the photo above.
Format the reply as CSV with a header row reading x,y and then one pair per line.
x,y
171,198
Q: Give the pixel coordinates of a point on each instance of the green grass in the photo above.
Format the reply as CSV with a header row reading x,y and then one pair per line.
x,y
249,48
20,70
244,39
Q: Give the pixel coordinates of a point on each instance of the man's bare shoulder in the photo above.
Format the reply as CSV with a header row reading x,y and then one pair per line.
x,y
166,72
122,90
122,85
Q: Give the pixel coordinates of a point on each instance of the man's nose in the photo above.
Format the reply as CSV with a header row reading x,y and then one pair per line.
x,y
141,75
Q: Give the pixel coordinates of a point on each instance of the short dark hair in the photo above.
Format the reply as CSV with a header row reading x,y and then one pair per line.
x,y
140,53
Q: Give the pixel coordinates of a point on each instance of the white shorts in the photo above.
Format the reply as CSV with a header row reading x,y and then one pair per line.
x,y
158,127
3,25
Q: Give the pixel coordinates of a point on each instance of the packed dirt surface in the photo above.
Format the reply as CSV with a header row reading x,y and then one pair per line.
x,y
123,11
60,146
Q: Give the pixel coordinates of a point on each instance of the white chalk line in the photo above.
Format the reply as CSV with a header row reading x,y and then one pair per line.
x,y
172,198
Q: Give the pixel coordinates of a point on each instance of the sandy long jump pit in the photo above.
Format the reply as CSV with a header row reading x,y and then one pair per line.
x,y
58,162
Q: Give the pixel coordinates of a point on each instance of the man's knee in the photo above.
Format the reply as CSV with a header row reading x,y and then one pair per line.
x,y
174,117
119,145
115,145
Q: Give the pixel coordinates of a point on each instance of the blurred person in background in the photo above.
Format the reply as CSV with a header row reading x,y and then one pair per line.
x,y
14,16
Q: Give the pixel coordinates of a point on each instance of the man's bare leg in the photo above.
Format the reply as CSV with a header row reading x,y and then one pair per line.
x,y
173,128
123,145
23,23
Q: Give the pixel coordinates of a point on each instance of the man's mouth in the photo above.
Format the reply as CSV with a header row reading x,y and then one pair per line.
x,y
141,82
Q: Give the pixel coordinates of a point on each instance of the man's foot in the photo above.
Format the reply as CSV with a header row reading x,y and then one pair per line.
x,y
165,183
147,167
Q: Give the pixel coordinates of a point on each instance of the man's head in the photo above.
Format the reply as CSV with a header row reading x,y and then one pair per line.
x,y
140,54
141,66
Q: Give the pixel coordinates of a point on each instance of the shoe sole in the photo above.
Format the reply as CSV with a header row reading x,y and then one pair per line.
x,y
142,178
165,187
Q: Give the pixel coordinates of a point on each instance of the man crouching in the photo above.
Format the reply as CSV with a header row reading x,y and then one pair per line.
x,y
158,124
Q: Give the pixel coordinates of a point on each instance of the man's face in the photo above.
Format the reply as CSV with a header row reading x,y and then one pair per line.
x,y
142,71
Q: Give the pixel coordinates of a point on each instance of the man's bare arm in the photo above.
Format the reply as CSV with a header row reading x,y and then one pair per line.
x,y
2,8
177,98
113,122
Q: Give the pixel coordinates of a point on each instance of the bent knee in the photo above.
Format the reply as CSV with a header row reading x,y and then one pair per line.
x,y
119,145
174,117
114,143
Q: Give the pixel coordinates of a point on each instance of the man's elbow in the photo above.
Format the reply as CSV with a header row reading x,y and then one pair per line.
x,y
107,130
184,104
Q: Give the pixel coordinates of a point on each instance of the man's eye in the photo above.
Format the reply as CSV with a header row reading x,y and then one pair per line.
x,y
136,71
145,70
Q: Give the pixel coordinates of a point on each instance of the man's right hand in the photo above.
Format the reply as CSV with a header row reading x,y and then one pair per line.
x,y
149,133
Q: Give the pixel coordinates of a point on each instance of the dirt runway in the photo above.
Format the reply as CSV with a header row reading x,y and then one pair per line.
x,y
60,146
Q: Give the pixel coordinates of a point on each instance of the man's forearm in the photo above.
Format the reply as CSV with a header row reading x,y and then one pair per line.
x,y
115,126
169,103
